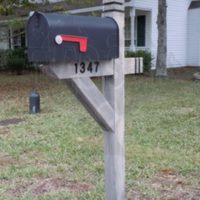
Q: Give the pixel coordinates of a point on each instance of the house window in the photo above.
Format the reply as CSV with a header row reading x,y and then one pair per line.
x,y
141,31
19,39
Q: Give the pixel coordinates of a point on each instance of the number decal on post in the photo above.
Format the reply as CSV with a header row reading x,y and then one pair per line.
x,y
97,65
83,67
76,68
90,69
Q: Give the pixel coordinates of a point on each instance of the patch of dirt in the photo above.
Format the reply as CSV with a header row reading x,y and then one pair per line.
x,y
139,196
183,73
169,185
197,196
12,121
40,187
19,190
4,131
6,160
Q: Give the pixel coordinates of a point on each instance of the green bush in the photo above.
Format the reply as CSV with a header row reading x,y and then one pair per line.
x,y
16,64
146,55
16,60
4,58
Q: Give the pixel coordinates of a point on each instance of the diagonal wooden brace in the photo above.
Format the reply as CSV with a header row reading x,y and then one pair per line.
x,y
94,101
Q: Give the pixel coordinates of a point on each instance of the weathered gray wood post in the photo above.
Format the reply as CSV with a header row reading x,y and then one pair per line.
x,y
114,93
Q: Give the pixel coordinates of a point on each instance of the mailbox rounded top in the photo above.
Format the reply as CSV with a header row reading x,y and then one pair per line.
x,y
63,20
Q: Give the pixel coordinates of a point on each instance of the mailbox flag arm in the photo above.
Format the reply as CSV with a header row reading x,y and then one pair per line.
x,y
83,41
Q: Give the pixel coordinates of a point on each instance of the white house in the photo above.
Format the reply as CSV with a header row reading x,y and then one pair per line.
x,y
183,27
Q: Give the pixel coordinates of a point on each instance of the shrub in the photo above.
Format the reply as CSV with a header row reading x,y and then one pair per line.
x,y
17,60
146,55
16,64
4,58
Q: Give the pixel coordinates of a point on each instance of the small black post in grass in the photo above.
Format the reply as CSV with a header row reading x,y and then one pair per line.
x,y
34,103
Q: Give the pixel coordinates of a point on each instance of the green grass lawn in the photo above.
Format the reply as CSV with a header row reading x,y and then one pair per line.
x,y
58,154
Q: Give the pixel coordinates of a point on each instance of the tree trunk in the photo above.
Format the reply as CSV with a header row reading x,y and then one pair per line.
x,y
161,61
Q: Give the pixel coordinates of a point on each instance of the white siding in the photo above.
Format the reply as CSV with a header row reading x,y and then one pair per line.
x,y
177,32
193,53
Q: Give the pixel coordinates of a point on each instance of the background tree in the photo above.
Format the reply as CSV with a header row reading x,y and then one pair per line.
x,y
7,6
161,61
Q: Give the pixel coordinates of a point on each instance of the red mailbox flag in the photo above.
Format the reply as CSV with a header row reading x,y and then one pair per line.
x,y
83,41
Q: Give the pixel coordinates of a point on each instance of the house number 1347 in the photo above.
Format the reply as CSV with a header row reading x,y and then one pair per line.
x,y
86,67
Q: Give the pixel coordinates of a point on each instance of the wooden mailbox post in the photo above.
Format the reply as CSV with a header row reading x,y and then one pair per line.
x,y
107,108
114,93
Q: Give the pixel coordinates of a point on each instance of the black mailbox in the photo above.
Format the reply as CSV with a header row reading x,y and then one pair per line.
x,y
64,38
